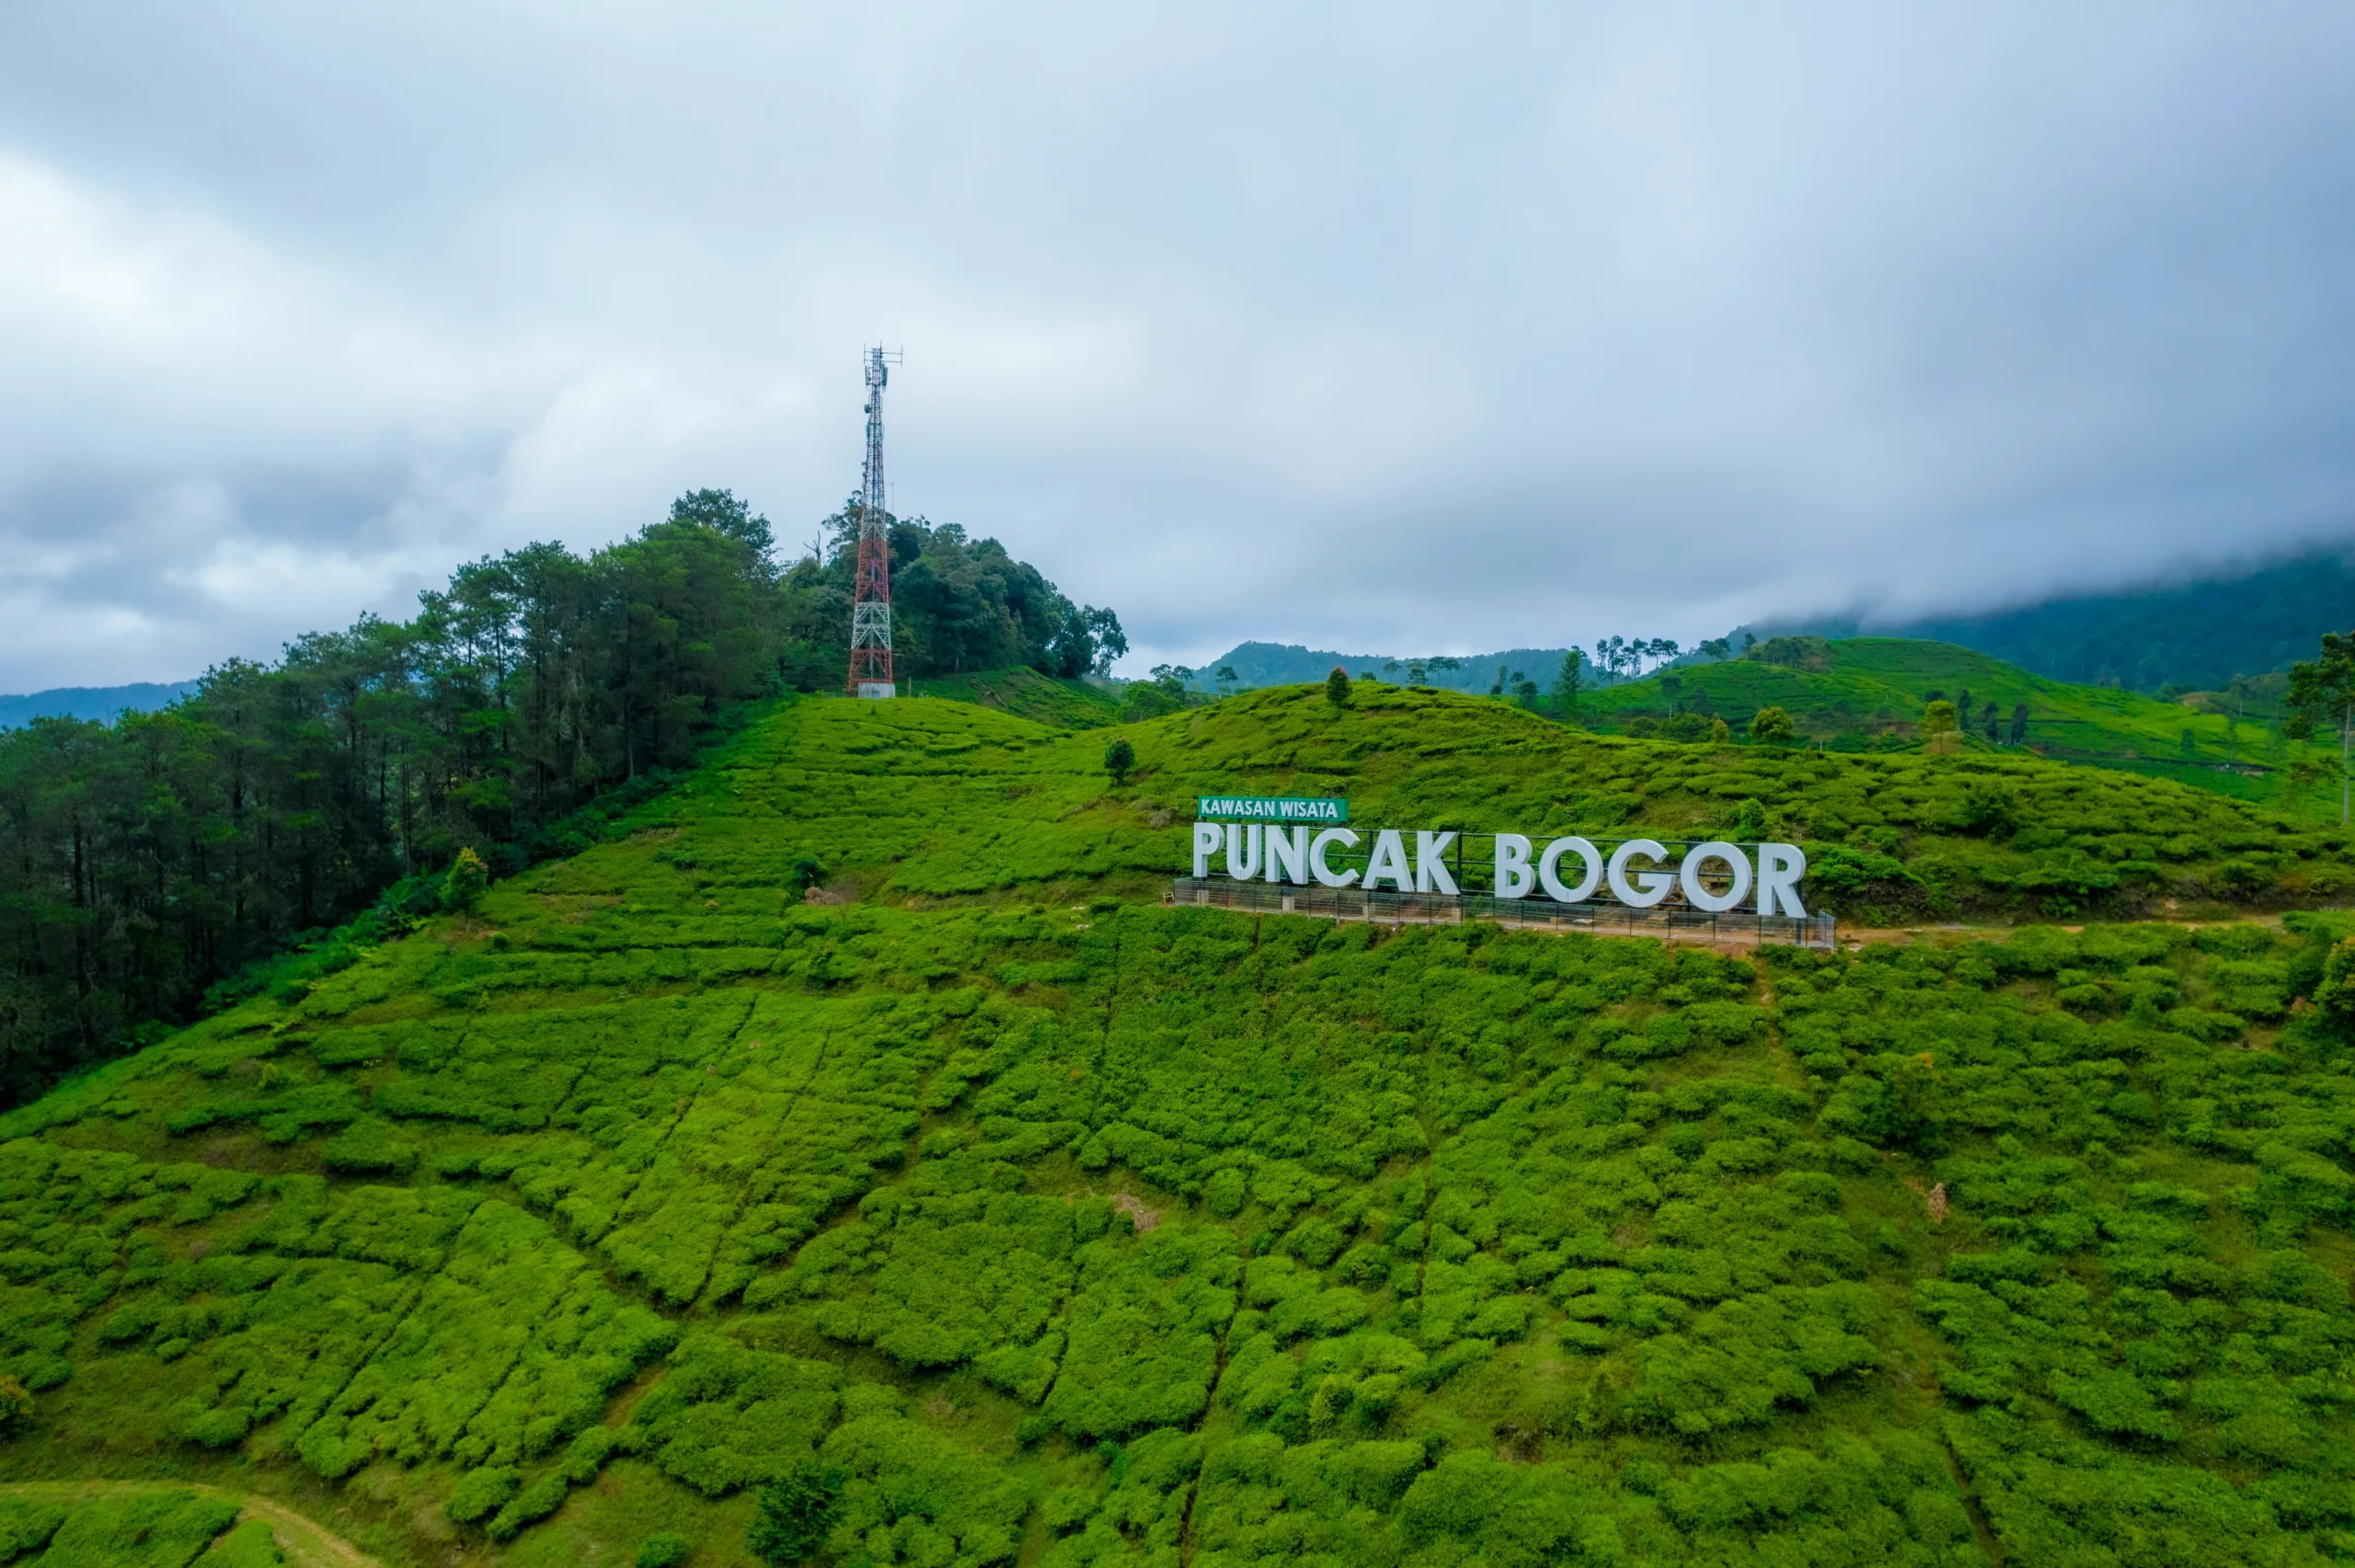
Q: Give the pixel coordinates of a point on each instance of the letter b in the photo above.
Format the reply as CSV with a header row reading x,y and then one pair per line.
x,y
1514,876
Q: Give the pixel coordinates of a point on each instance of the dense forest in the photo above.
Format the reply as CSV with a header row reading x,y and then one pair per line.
x,y
143,864
971,1210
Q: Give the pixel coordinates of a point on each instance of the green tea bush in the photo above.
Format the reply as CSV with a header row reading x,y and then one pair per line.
x,y
26,1525
163,1530
665,1549
726,1416
794,1516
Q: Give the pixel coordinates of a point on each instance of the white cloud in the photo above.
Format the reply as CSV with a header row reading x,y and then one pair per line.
x,y
1509,324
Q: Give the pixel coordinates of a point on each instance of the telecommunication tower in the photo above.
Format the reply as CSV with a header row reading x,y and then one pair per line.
x,y
870,605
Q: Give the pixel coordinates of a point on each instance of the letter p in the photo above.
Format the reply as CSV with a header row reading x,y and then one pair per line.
x,y
1209,839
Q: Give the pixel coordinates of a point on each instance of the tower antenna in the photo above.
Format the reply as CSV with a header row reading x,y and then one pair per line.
x,y
870,605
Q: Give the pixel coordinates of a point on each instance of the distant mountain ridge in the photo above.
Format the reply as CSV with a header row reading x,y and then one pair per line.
x,y
103,704
1288,664
2195,634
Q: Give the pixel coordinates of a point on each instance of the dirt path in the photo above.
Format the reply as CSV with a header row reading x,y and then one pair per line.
x,y
305,1544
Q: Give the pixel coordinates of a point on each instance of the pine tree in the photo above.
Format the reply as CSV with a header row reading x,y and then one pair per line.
x,y
2322,692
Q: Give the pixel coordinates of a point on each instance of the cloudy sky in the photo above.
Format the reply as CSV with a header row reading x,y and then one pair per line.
x,y
1416,327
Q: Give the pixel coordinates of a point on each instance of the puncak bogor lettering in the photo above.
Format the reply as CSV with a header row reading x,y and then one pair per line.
x,y
1715,878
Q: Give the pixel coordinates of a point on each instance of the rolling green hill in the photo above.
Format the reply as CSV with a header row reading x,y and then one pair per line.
x,y
998,1215
921,802
1024,693
1854,693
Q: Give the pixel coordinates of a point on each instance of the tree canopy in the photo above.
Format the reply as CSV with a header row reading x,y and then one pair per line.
x,y
143,863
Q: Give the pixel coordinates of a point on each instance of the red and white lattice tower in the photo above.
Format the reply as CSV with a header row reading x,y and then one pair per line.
x,y
870,601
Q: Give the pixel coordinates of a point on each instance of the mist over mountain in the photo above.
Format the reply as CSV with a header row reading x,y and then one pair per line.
x,y
2195,633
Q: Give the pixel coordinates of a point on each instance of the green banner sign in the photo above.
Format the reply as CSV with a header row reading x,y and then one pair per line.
x,y
1270,809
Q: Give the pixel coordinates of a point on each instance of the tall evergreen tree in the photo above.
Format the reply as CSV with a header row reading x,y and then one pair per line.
x,y
142,864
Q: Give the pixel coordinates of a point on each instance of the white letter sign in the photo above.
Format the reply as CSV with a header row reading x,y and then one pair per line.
x,y
1715,878
1208,836
1389,859
1688,876
1549,873
1651,886
1288,854
1780,866
1514,879
1326,874
1430,867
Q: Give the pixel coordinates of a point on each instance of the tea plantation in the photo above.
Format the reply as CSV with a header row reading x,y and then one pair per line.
x,y
1015,1219
1856,692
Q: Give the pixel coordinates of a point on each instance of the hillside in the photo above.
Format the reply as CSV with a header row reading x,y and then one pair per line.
x,y
1059,703
924,801
2194,634
101,704
1045,1225
148,864
1866,689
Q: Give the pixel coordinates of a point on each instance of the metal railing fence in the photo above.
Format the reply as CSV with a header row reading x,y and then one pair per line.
x,y
1608,918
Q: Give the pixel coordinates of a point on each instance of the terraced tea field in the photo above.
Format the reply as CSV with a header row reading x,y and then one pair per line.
x,y
1034,1222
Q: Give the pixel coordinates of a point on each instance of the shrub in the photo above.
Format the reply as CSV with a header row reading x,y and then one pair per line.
x,y
162,1528
2336,994
794,1514
667,1549
1337,688
1990,807
15,1403
461,889
482,1491
1120,758
26,1525
1772,726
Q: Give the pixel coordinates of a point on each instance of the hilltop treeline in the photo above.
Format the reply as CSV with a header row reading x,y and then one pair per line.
x,y
142,865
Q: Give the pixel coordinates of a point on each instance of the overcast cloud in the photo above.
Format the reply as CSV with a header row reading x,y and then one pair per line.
x,y
1450,327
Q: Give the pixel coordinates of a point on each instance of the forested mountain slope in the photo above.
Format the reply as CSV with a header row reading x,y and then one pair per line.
x,y
2197,633
1075,1230
99,705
